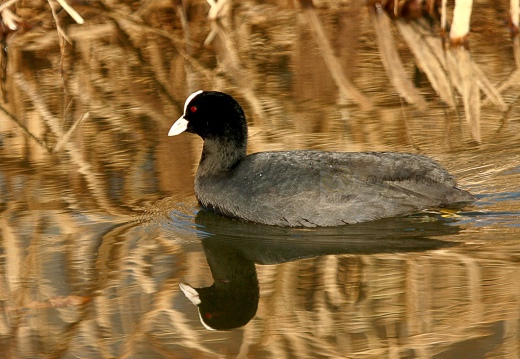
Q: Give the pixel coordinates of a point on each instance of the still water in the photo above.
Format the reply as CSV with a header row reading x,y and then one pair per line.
x,y
99,223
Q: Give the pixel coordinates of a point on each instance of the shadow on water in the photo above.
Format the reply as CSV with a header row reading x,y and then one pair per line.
x,y
233,247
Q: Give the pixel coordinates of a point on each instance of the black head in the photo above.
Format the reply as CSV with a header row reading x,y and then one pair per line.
x,y
212,114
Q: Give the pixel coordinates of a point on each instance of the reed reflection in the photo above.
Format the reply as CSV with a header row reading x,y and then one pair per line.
x,y
233,248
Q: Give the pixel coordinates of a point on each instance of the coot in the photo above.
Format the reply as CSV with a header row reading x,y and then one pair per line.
x,y
304,188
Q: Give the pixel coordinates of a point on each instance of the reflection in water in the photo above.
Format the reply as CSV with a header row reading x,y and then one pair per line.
x,y
87,286
232,300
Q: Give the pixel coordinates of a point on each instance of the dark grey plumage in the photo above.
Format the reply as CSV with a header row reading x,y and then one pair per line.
x,y
306,188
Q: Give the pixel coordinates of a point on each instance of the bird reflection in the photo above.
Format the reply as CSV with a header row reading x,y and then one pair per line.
x,y
233,248
232,300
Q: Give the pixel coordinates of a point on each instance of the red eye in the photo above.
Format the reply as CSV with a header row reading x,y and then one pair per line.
x,y
207,315
193,109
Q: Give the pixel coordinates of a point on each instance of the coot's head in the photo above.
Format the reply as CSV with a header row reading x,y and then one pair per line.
x,y
212,115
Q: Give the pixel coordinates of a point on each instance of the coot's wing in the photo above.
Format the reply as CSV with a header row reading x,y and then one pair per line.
x,y
312,188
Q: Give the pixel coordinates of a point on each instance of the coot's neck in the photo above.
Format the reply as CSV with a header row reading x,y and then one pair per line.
x,y
220,155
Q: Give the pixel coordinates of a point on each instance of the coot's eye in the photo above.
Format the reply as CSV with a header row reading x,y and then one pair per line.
x,y
207,315
193,109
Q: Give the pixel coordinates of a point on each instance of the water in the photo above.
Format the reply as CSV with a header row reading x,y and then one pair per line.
x,y
97,234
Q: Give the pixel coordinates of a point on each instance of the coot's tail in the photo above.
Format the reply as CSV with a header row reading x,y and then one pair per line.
x,y
458,197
